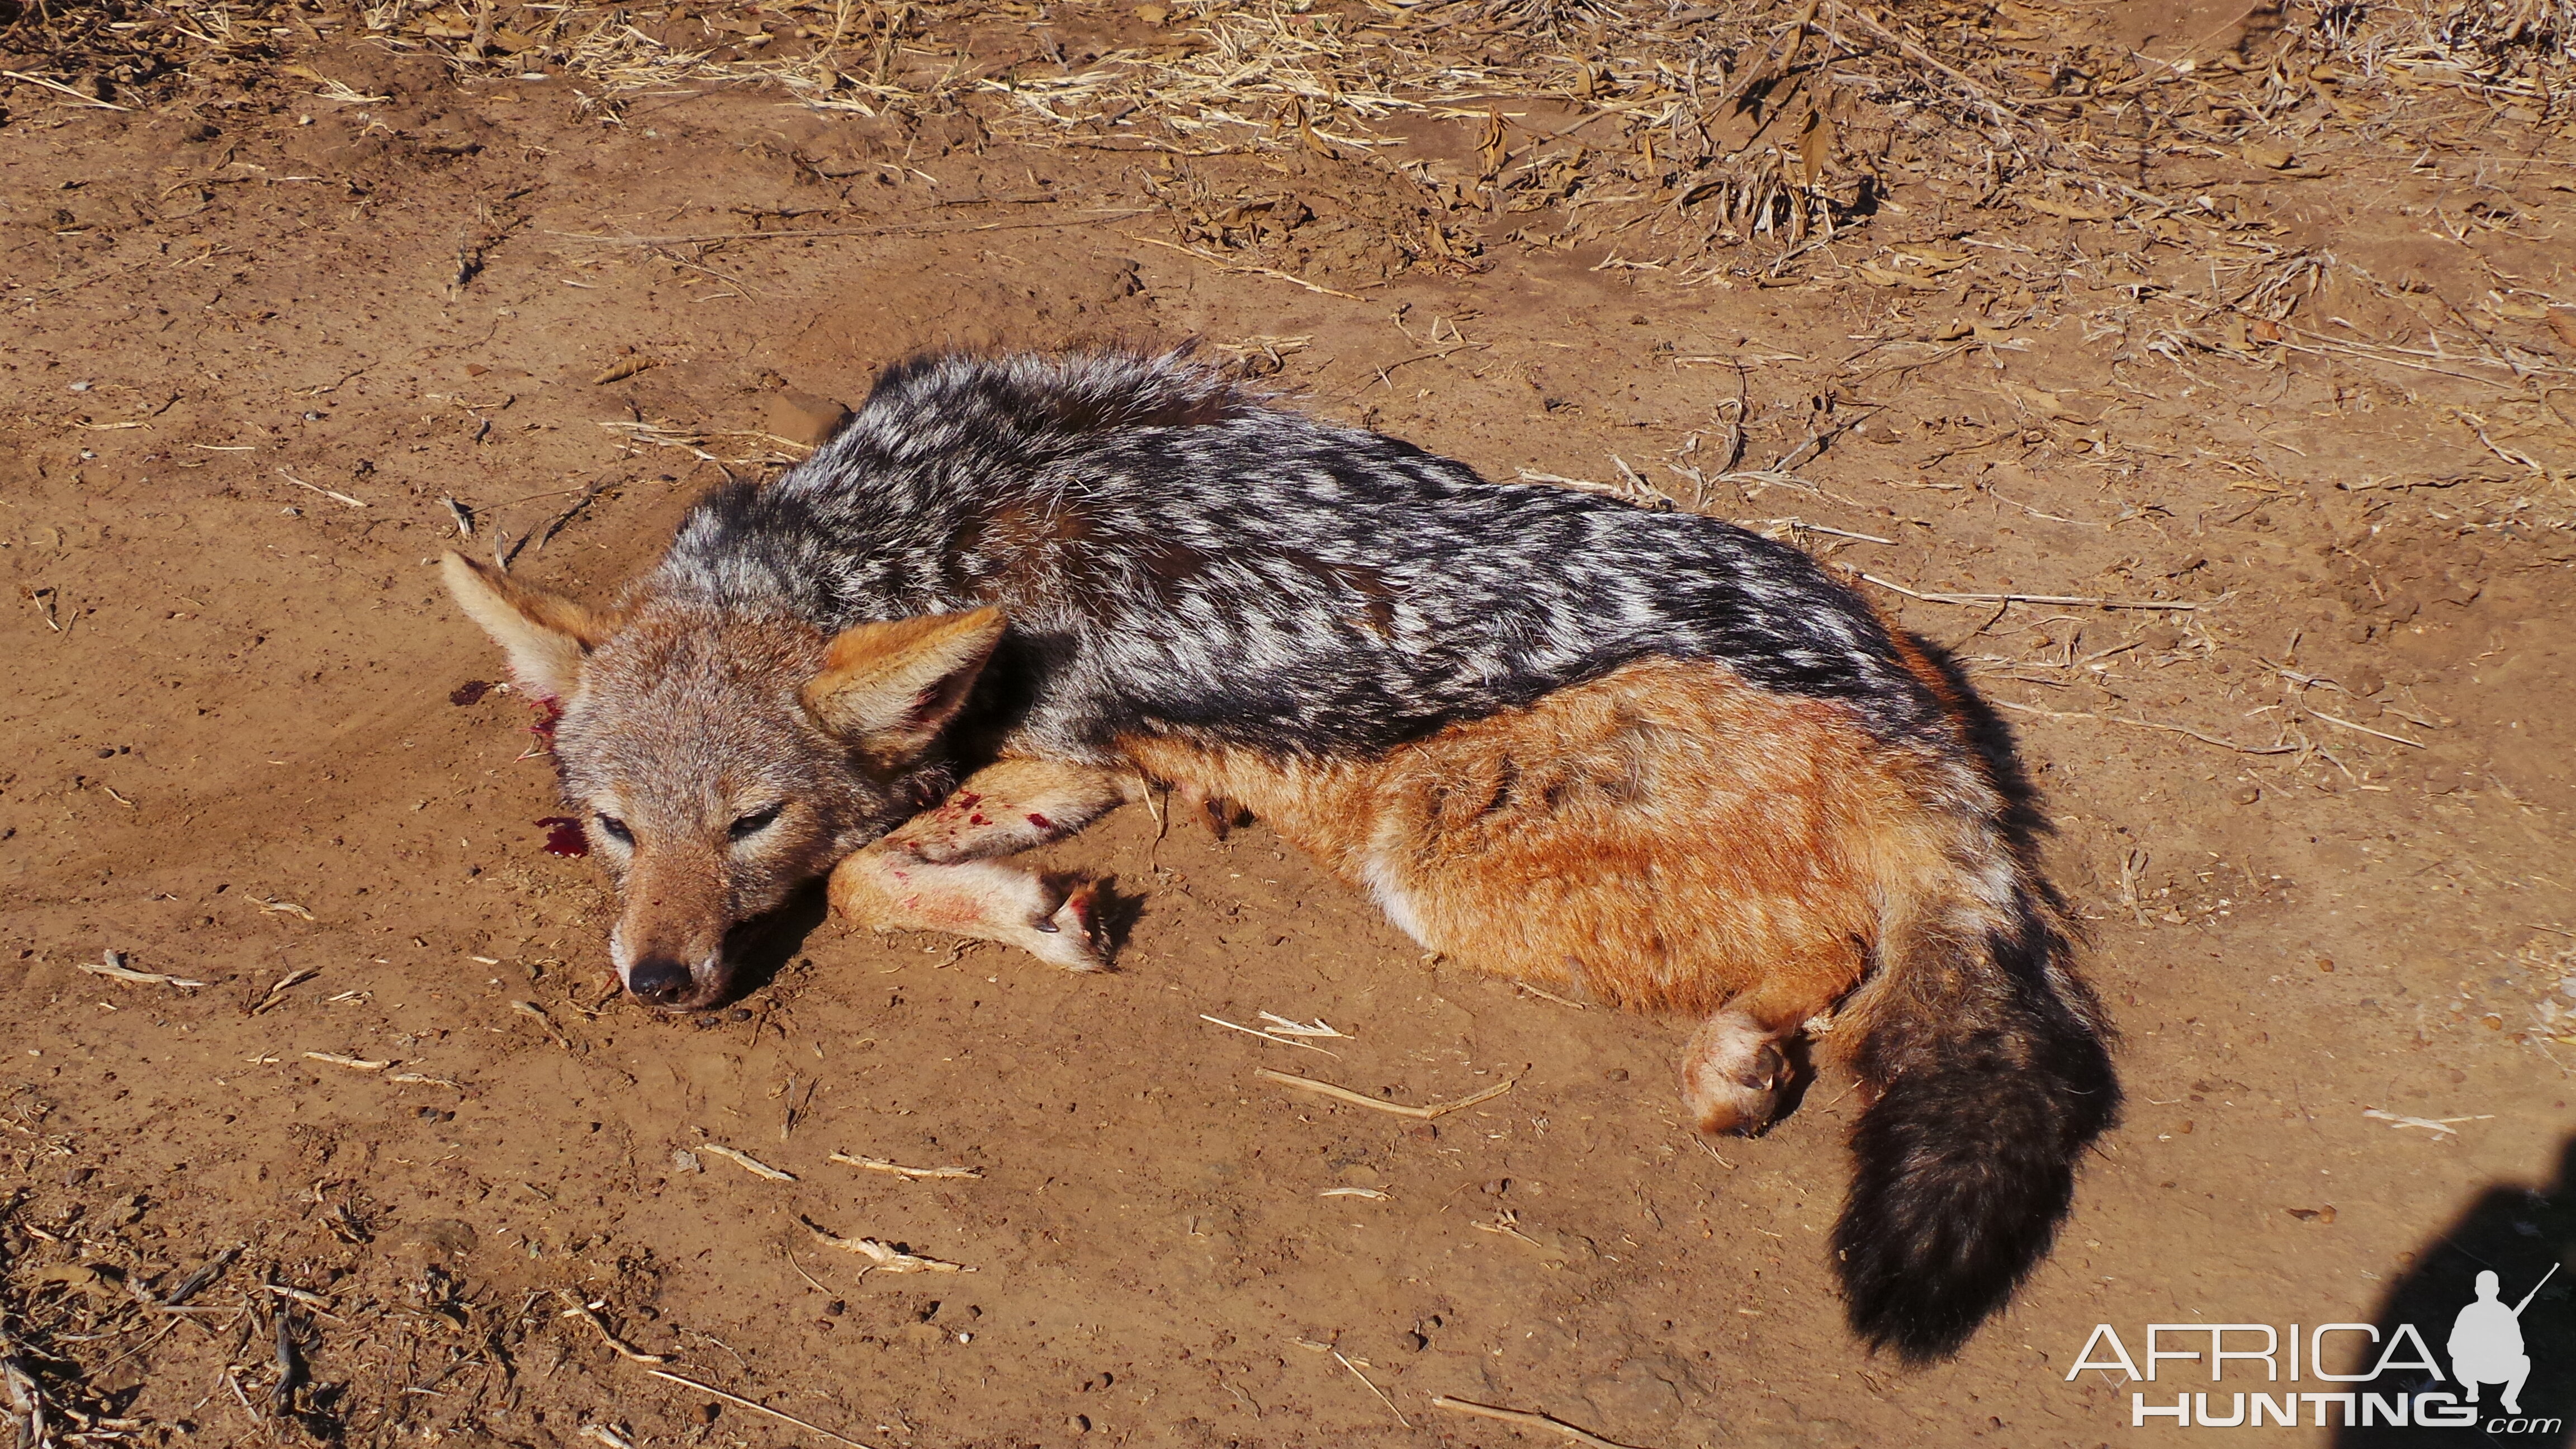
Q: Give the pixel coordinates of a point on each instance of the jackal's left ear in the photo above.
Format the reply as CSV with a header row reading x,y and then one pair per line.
x,y
544,635
889,689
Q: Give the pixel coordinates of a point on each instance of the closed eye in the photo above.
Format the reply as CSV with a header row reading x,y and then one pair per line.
x,y
757,821
615,829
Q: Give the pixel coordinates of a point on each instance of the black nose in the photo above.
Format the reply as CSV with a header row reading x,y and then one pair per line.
x,y
659,981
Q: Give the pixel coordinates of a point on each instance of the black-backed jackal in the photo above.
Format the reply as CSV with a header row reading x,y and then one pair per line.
x,y
1647,757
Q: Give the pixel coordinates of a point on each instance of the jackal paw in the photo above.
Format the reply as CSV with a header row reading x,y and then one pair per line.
x,y
1071,936
1732,1074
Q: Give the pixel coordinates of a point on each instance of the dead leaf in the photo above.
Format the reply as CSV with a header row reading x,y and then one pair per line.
x,y
90,1278
2562,320
624,368
2269,155
1815,143
2046,404
1492,148
1878,276
2067,210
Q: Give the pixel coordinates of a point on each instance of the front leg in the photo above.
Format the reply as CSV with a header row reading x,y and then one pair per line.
x,y
935,872
1053,920
1011,806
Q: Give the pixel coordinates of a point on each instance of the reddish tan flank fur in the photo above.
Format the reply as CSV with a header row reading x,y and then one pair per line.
x,y
1664,838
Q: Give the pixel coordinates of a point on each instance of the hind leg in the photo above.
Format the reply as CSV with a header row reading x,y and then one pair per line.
x,y
1734,1069
1732,1073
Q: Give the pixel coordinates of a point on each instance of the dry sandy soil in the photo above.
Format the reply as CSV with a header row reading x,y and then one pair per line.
x,y
2273,582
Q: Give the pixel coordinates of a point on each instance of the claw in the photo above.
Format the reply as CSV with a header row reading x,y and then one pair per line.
x,y
1079,948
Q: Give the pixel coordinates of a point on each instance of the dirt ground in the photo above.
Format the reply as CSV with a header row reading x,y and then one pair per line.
x,y
2274,585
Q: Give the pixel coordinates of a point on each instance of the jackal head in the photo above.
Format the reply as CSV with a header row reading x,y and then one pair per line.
x,y
721,758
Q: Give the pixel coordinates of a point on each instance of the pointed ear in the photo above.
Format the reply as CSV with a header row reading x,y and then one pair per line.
x,y
888,689
544,636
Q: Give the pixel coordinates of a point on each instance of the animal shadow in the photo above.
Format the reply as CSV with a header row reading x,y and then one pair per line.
x,y
761,947
2025,818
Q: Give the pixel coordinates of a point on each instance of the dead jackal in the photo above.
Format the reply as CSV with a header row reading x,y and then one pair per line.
x,y
1645,756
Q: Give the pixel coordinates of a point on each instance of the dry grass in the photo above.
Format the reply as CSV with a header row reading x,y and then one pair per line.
x,y
2046,171
1723,142
1753,141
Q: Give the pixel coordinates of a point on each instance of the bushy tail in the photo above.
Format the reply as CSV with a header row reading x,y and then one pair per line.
x,y
1993,1077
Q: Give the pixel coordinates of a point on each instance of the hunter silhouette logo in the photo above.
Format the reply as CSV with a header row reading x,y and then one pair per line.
x,y
2486,1341
2258,1371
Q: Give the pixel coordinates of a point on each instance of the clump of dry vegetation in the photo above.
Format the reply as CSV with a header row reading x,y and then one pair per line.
x,y
1686,133
1750,142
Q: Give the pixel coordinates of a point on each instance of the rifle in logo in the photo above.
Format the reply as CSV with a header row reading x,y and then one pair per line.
x,y
2486,1341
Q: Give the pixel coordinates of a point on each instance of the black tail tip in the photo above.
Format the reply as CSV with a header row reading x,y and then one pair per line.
x,y
1924,1311
1918,1334
1961,1178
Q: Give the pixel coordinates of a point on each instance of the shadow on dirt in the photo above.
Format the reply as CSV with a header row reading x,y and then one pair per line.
x,y
2518,1233
1991,736
761,948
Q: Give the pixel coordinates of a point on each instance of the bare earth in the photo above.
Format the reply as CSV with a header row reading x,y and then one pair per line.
x,y
2313,809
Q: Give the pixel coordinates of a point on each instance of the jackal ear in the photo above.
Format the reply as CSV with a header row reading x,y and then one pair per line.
x,y
888,689
544,636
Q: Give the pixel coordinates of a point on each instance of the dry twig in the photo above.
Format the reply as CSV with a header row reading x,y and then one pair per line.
x,y
1223,264
1372,1388
2365,729
738,1401
879,1164
1362,1099
60,89
883,1257
355,1064
2148,724
1526,1419
329,493
114,968
2063,600
579,1308
746,1162
277,993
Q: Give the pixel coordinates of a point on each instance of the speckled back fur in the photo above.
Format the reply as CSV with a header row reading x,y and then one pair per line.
x,y
1177,558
